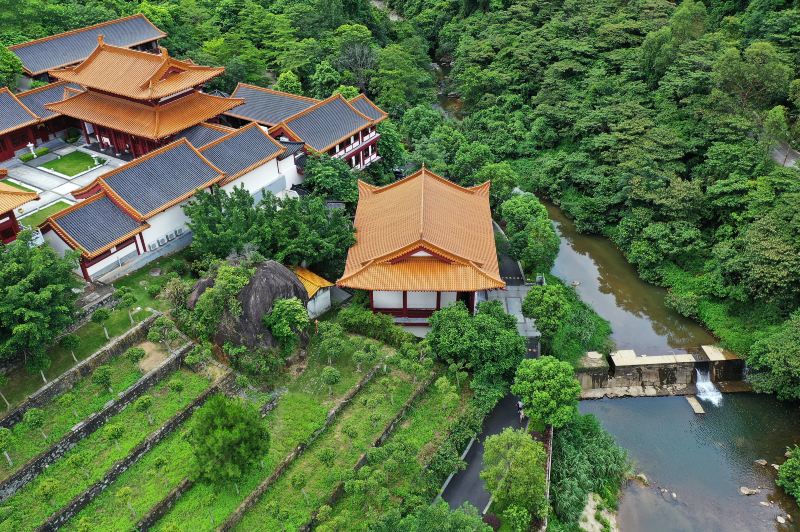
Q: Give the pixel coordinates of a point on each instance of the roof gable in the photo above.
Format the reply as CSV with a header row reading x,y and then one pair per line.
x,y
134,74
71,47
242,151
203,134
365,106
13,114
95,225
36,99
267,106
12,197
160,179
327,123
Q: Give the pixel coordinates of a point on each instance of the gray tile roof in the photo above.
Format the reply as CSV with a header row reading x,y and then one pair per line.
x,y
291,148
267,107
96,224
75,46
328,123
152,182
35,101
241,150
367,108
12,114
200,135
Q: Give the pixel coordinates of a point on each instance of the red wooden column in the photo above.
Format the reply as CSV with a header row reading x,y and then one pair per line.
x,y
405,303
85,271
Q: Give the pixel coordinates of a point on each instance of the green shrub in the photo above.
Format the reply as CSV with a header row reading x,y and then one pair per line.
x,y
135,354
26,157
789,474
42,151
176,385
359,320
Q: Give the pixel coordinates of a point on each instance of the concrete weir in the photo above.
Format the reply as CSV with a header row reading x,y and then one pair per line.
x,y
627,374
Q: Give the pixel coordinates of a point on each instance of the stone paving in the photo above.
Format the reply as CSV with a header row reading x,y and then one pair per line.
x,y
51,187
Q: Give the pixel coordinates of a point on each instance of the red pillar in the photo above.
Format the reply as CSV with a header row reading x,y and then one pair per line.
x,y
85,271
14,222
405,303
438,300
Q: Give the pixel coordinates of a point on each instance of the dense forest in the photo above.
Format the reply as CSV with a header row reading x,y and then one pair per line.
x,y
651,123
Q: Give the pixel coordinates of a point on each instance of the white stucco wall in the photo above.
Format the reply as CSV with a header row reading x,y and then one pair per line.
x,y
320,303
289,169
121,255
421,300
385,299
448,298
256,179
163,223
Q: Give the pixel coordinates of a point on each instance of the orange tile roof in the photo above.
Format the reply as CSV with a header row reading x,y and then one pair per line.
x,y
12,197
312,282
424,212
152,122
135,74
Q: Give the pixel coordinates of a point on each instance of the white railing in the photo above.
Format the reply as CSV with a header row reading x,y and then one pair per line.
x,y
356,144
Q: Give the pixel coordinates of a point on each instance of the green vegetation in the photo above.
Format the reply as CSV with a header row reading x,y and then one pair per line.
x,y
532,239
789,474
34,219
18,186
548,390
287,321
437,517
585,460
60,415
73,163
569,326
88,461
391,480
309,481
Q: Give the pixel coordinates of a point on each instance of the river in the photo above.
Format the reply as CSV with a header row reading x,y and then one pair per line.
x,y
705,459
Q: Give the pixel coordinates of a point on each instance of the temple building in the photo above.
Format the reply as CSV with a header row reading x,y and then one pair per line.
x,y
134,101
422,243
65,49
134,214
11,198
335,126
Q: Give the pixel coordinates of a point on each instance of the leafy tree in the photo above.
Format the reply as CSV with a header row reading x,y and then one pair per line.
x,y
774,361
519,519
437,516
757,77
347,91
36,297
100,317
228,438
548,389
102,377
324,80
397,82
330,377
71,342
513,470
287,320
788,474
144,404
469,158
503,180
212,304
288,82
10,68
67,400
6,441
125,496
113,433
34,418
548,305
418,123
126,299
3,384
447,392
331,179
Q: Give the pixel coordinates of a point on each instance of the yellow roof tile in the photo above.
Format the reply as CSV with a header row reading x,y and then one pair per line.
x,y
11,197
312,282
423,233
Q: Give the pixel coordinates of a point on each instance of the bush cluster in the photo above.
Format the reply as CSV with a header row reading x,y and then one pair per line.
x,y
359,320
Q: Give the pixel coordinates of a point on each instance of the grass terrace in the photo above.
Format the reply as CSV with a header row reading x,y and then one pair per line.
x,y
73,163
18,186
88,398
420,434
300,411
34,219
310,480
88,461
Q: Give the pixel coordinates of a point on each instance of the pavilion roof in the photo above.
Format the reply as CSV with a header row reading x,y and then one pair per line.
x,y
242,151
155,182
12,197
36,99
267,106
327,123
95,225
148,121
365,106
13,113
423,233
74,46
134,74
312,282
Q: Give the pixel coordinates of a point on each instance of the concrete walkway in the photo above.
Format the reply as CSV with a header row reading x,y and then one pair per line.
x,y
53,188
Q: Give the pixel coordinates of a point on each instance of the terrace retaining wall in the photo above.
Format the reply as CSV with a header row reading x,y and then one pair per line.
x,y
36,465
163,506
262,488
55,521
338,491
67,380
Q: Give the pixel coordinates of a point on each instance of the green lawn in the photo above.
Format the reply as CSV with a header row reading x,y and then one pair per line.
x,y
21,383
145,287
73,163
28,442
421,433
350,436
34,219
300,411
18,186
88,461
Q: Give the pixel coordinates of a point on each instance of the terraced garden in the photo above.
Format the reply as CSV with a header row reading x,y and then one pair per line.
x,y
90,459
60,415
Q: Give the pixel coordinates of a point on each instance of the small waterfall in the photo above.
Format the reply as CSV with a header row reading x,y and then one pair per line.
x,y
706,390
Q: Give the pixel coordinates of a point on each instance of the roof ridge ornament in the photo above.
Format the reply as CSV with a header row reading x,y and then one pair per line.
x,y
100,40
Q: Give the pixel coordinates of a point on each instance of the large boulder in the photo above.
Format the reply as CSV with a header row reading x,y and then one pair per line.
x,y
270,281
